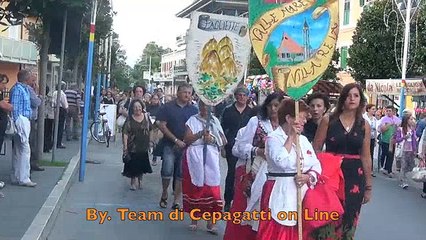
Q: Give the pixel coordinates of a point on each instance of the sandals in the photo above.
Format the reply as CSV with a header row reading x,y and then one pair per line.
x,y
423,195
193,226
175,206
163,202
212,229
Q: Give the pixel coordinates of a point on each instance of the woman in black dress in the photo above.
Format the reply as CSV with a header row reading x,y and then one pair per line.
x,y
346,133
136,144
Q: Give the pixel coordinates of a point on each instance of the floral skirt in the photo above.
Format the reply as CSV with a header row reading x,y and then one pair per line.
x,y
239,204
345,228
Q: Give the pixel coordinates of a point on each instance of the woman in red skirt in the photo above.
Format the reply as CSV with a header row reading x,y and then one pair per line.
x,y
201,171
280,190
250,174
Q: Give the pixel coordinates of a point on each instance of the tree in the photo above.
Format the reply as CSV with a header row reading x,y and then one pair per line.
x,y
255,68
120,71
374,54
420,57
15,12
332,70
104,19
154,51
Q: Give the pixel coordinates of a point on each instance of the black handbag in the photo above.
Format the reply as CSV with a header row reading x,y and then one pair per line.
x,y
126,158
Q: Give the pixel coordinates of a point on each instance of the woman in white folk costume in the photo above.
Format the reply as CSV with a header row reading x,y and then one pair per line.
x,y
201,177
282,183
251,167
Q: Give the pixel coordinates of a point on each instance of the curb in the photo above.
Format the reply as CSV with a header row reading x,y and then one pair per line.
x,y
50,208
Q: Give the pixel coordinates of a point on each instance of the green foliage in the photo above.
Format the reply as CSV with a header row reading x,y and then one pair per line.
x,y
255,68
372,54
332,70
420,57
154,51
120,71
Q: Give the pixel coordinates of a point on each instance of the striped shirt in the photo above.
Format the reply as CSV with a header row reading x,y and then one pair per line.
x,y
73,98
21,101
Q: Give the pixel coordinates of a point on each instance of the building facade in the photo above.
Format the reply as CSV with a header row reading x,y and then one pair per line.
x,y
173,68
16,52
349,13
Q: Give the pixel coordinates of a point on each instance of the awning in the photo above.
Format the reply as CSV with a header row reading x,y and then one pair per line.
x,y
328,87
413,87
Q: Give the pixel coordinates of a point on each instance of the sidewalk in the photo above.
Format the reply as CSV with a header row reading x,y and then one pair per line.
x,y
106,189
21,204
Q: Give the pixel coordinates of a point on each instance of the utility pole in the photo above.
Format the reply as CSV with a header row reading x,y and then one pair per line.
x,y
405,57
87,91
59,88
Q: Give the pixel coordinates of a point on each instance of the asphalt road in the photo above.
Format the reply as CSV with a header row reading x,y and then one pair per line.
x,y
393,213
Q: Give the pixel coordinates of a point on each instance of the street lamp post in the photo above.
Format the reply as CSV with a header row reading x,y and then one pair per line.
x,y
405,57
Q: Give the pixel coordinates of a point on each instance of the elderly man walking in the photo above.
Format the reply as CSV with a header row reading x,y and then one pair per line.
x,y
21,102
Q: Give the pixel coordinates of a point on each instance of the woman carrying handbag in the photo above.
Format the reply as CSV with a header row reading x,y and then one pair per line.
x,y
406,147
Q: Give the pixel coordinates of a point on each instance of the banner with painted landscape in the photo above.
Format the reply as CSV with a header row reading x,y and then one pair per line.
x,y
217,54
294,40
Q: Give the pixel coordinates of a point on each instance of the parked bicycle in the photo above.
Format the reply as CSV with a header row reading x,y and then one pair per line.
x,y
103,133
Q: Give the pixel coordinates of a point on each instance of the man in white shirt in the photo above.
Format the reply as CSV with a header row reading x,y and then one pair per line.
x,y
63,109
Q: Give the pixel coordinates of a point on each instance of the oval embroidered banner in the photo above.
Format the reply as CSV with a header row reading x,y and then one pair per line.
x,y
217,54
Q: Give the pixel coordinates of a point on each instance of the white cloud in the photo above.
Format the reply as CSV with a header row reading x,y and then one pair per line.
x,y
140,21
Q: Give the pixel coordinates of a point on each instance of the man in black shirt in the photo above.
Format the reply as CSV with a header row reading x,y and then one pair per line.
x,y
234,117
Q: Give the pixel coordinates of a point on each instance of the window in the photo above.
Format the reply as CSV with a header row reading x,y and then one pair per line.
x,y
346,12
343,57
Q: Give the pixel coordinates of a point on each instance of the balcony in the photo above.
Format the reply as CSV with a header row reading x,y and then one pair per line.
x,y
18,51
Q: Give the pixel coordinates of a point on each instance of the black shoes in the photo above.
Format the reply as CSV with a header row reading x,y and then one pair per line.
x,y
37,169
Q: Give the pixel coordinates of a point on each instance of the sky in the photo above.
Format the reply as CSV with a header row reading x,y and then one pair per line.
x,y
294,28
141,21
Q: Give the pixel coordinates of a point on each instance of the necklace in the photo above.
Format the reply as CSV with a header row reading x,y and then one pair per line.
x,y
348,127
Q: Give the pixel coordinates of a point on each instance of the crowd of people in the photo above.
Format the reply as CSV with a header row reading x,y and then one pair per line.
x,y
259,145
19,108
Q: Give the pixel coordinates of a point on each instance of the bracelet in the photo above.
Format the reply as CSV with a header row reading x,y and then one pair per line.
x,y
176,140
368,188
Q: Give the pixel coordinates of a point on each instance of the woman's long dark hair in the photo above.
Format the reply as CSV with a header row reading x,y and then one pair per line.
x,y
341,103
404,123
263,111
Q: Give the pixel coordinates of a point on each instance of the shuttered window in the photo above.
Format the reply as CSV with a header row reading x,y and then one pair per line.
x,y
343,57
347,12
